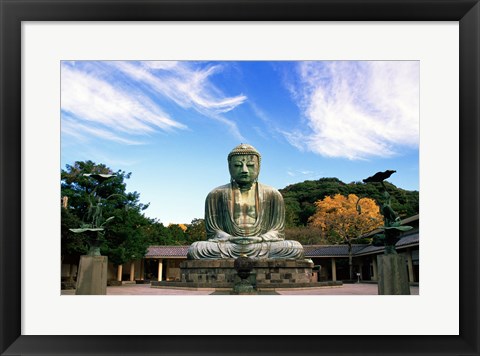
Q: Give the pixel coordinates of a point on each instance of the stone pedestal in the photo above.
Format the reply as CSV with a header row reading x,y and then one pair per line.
x,y
275,273
392,275
92,275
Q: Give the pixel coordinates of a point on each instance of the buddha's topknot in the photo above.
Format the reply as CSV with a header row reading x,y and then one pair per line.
x,y
244,149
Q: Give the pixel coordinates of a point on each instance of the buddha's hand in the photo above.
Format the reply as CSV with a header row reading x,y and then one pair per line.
x,y
245,240
270,237
221,237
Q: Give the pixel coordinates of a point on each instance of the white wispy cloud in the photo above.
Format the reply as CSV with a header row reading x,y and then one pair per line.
x,y
116,100
186,85
357,110
304,174
83,132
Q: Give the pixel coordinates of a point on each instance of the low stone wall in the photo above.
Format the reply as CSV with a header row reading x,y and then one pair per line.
x,y
222,274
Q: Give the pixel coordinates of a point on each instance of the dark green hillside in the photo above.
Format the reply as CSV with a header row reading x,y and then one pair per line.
x,y
300,198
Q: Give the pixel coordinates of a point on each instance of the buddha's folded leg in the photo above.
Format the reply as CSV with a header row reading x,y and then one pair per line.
x,y
214,250
203,250
286,249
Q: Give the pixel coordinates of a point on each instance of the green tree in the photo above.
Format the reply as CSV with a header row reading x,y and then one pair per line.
x,y
292,212
345,218
306,235
125,237
196,231
158,234
177,234
300,198
71,244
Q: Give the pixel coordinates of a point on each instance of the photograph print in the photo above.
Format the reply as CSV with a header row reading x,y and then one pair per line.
x,y
240,177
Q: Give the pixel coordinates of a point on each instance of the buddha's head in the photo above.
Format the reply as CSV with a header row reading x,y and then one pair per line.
x,y
244,164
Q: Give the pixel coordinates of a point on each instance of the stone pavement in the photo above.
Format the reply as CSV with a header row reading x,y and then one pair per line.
x,y
346,289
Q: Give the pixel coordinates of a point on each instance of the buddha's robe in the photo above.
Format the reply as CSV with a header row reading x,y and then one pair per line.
x,y
259,237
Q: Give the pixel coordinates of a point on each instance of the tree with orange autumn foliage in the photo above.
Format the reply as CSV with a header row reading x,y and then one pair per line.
x,y
346,218
183,227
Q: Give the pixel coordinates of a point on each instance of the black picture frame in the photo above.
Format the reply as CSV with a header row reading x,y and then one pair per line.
x,y
13,12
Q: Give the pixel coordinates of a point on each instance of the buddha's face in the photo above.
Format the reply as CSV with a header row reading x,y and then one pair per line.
x,y
244,169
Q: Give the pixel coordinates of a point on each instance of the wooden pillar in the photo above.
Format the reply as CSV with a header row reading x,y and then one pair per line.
x,y
160,269
375,268
70,274
411,277
119,273
142,269
132,271
334,269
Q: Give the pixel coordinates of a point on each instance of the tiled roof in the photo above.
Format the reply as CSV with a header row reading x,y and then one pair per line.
x,y
370,249
330,250
408,239
167,251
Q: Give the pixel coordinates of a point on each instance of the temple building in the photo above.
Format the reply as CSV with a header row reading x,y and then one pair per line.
x,y
162,263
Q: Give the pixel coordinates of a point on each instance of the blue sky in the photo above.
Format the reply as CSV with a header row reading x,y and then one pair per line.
x,y
172,124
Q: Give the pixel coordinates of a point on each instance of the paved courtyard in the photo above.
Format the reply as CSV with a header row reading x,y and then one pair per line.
x,y
346,289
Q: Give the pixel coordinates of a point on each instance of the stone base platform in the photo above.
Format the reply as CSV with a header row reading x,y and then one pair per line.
x,y
92,275
266,275
218,287
392,275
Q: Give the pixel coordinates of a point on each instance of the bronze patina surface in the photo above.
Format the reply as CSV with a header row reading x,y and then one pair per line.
x,y
245,217
392,223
